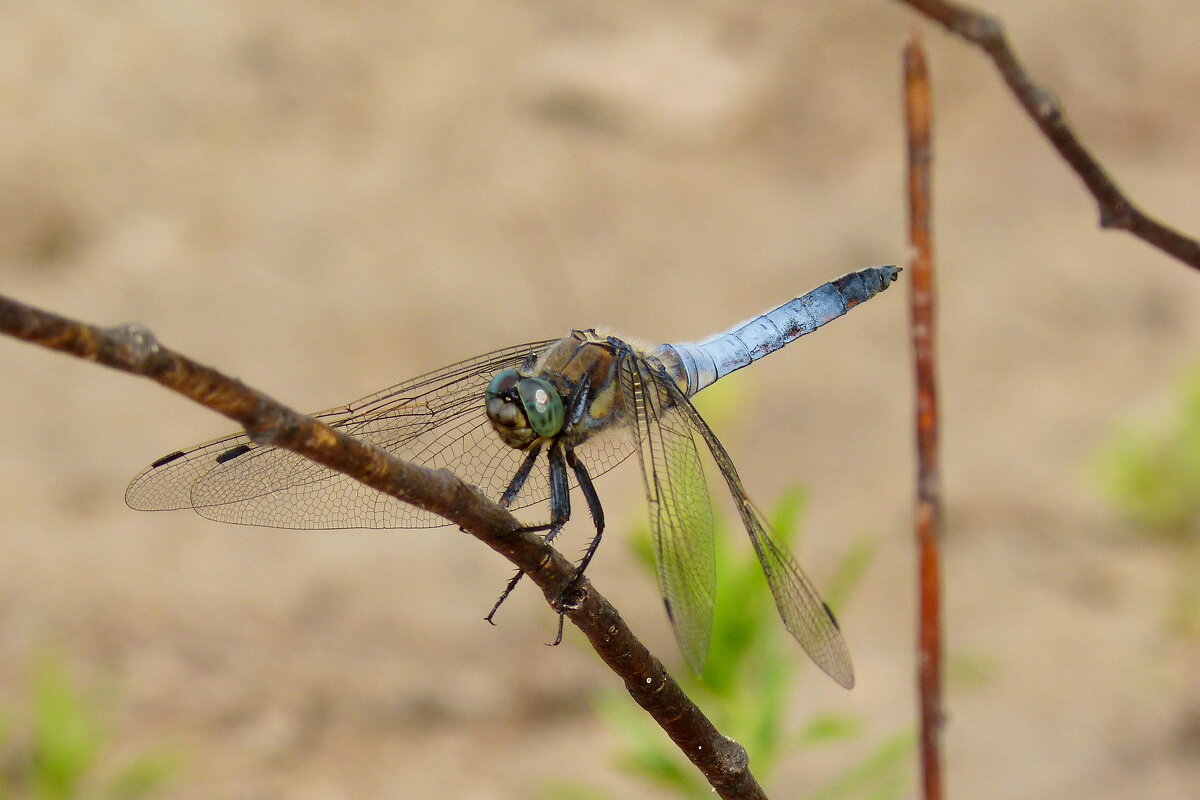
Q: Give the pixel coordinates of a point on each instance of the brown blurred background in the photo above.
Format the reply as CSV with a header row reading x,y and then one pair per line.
x,y
325,198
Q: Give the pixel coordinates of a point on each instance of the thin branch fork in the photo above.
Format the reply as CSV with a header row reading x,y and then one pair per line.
x,y
134,349
1116,210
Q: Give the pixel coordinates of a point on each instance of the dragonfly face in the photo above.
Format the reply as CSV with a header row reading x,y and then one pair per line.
x,y
553,414
522,410
568,391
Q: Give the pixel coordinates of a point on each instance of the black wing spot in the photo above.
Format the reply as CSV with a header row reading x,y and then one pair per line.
x,y
832,618
233,452
167,459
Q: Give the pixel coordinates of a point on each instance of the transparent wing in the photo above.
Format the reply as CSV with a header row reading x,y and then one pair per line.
x,y
436,420
681,521
804,613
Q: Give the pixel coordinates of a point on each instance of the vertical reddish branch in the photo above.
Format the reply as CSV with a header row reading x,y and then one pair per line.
x,y
929,505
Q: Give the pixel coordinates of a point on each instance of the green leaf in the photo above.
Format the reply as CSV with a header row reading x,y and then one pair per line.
x,y
64,739
1149,468
850,572
66,746
646,752
143,777
875,776
785,516
828,728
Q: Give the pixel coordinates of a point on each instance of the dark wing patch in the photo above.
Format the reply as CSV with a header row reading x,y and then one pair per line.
x,y
167,459
232,453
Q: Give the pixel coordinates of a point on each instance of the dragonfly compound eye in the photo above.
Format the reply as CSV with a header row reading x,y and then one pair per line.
x,y
543,406
504,409
504,385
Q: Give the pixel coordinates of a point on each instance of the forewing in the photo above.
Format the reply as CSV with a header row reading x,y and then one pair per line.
x,y
436,420
681,521
804,613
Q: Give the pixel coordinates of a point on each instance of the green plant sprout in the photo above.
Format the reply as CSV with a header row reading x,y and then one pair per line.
x,y
58,758
1149,469
746,684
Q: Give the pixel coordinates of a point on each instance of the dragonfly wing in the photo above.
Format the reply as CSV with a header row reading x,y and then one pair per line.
x,y
806,616
436,420
804,613
681,521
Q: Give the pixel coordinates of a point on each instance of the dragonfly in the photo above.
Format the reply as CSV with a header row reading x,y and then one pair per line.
x,y
530,423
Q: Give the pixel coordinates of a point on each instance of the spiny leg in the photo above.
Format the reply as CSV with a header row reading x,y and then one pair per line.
x,y
560,508
560,491
506,499
560,512
597,513
518,481
594,508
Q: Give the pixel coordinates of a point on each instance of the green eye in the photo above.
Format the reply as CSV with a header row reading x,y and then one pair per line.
x,y
542,404
505,381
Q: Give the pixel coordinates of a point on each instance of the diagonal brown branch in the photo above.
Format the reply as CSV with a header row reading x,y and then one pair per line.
x,y
134,349
1116,210
918,116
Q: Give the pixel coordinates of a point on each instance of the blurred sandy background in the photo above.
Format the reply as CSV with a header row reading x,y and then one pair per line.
x,y
325,198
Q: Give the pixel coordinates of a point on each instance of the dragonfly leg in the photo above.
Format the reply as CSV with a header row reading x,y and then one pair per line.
x,y
594,508
512,584
560,508
597,512
518,481
506,499
560,492
560,512
577,403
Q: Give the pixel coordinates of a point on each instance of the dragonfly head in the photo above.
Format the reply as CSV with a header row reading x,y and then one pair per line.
x,y
523,410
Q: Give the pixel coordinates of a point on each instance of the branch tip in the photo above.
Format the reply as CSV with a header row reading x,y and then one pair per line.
x,y
1116,211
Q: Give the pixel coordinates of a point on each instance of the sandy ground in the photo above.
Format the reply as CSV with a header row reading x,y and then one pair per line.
x,y
324,198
